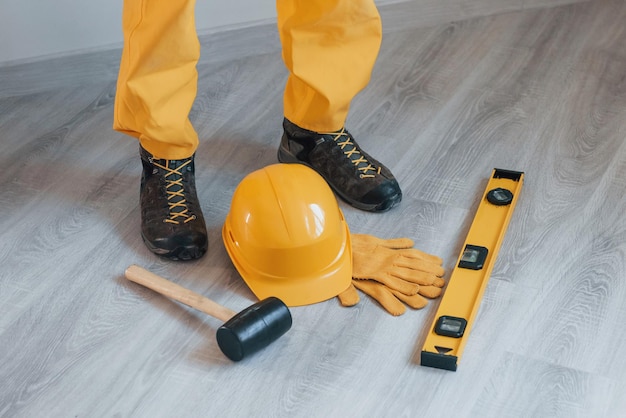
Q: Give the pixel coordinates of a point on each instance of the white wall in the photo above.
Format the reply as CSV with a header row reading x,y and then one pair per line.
x,y
36,28
32,29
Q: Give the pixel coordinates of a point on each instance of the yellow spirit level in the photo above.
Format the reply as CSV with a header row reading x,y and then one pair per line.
x,y
453,321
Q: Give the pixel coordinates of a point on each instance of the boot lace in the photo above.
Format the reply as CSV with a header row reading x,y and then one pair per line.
x,y
352,152
179,212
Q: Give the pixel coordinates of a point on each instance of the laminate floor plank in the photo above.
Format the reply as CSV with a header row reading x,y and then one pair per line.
x,y
540,90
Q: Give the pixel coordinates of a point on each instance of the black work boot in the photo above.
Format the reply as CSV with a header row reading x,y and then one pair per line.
x,y
356,177
172,224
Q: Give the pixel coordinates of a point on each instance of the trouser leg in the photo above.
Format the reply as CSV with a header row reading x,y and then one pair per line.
x,y
157,81
329,48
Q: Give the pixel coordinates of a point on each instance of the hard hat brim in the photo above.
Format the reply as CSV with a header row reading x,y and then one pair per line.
x,y
318,287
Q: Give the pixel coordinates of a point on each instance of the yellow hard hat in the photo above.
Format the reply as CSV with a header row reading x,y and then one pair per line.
x,y
287,236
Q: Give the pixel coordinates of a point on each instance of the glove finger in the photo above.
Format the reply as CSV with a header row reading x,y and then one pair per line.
x,y
370,242
392,282
430,292
383,296
419,255
420,277
417,264
414,301
396,243
349,297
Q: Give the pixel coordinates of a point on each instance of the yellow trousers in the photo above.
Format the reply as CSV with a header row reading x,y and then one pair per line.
x,y
329,48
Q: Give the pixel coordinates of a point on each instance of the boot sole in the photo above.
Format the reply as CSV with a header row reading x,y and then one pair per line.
x,y
181,253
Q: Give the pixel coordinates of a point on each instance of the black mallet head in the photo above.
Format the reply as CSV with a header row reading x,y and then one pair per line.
x,y
254,328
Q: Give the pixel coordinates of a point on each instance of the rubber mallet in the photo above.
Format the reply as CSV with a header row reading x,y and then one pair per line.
x,y
243,333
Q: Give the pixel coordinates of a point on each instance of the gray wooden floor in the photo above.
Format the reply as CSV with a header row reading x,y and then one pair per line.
x,y
540,91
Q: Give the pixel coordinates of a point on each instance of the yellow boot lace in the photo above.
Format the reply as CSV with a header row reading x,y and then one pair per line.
x,y
179,212
343,139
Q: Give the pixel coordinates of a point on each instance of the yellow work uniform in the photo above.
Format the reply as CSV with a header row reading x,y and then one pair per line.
x,y
329,48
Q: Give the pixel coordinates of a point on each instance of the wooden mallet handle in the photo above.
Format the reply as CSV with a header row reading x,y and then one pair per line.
x,y
163,286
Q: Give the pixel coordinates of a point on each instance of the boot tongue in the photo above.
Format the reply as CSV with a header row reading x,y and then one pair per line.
x,y
173,174
174,180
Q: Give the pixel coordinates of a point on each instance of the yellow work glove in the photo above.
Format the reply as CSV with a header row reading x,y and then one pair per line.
x,y
393,273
